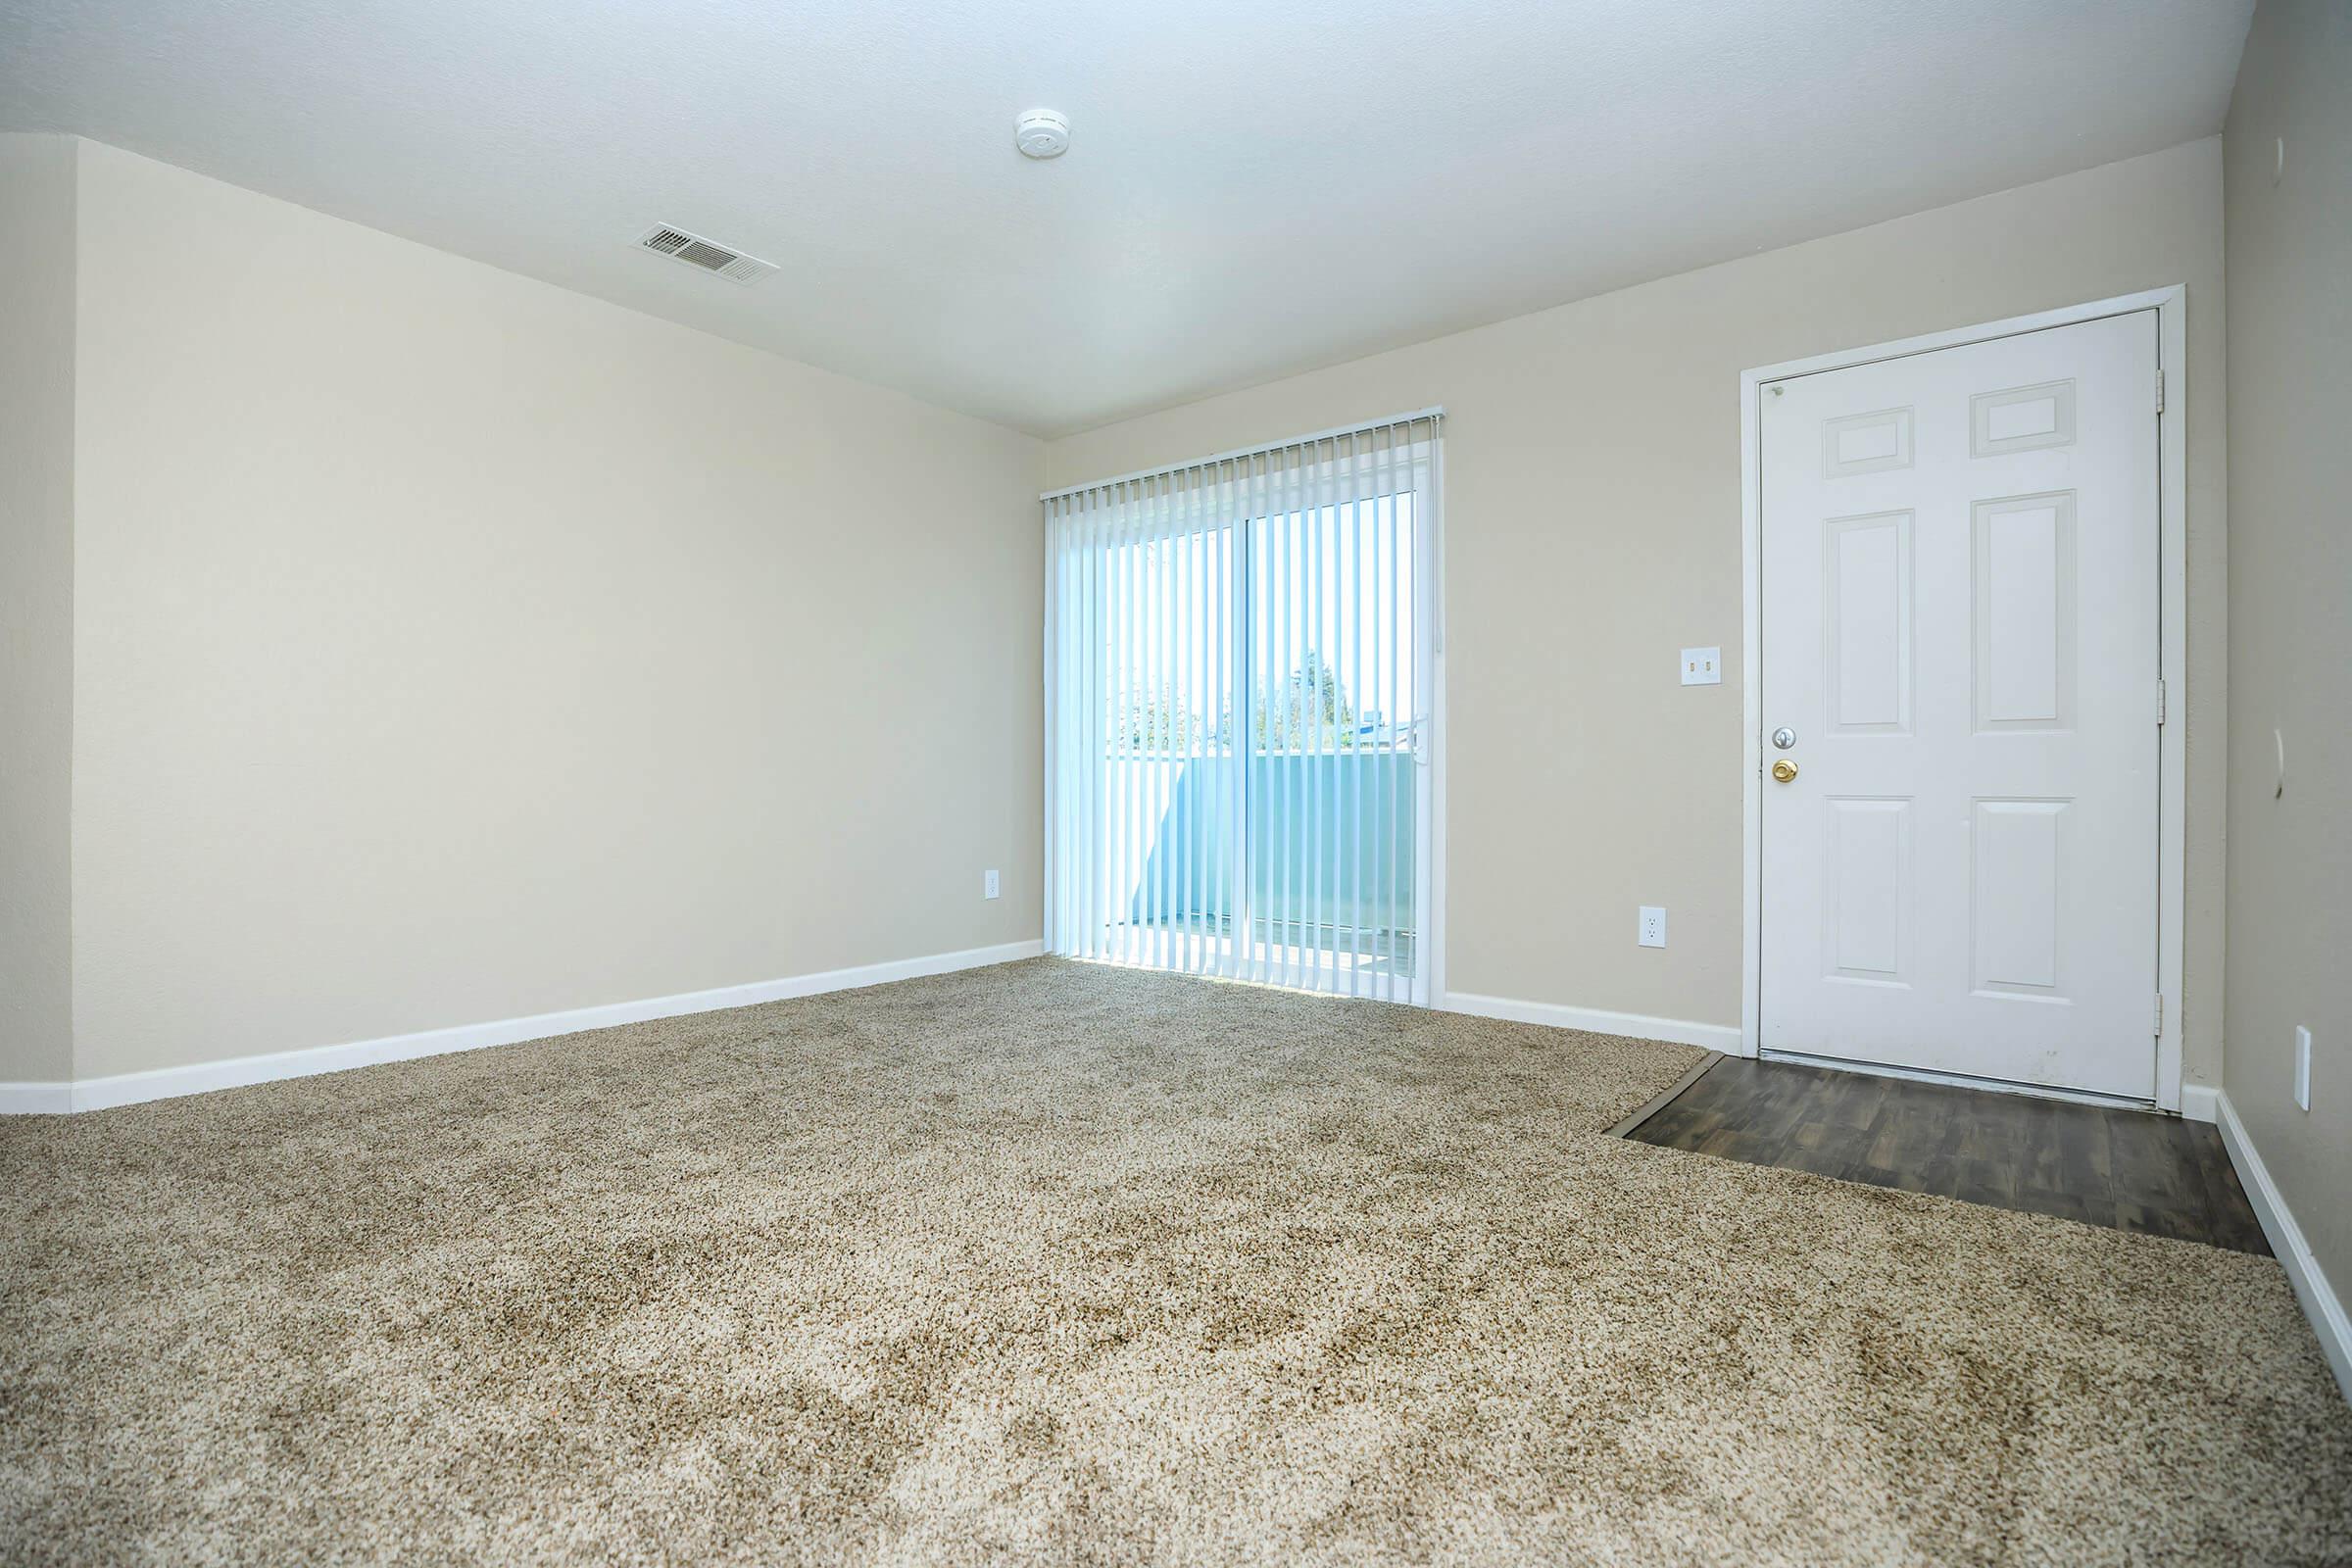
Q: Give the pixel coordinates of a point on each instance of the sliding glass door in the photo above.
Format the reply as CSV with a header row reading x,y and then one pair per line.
x,y
1242,688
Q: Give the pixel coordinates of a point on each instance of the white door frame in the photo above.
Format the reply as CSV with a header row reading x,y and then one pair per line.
x,y
2172,770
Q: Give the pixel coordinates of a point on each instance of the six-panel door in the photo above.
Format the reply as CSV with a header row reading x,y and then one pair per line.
x,y
1960,592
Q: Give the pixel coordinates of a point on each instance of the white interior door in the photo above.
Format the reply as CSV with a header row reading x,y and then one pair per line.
x,y
1960,592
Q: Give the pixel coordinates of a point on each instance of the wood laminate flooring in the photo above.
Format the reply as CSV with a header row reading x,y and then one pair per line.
x,y
2129,1169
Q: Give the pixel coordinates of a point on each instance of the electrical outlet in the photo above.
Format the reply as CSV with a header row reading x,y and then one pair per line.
x,y
2302,1067
1653,926
988,883
1702,667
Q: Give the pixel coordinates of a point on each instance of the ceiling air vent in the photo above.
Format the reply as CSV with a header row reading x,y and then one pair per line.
x,y
708,255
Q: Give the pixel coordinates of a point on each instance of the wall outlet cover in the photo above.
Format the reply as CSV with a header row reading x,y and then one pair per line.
x,y
988,883
2302,1067
1702,667
1652,932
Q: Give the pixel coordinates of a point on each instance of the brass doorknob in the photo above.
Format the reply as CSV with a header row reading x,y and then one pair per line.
x,y
1783,770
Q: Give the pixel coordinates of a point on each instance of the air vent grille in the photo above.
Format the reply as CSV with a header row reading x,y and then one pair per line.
x,y
705,254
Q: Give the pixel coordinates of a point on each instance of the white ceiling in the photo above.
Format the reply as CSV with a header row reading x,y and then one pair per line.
x,y
1253,186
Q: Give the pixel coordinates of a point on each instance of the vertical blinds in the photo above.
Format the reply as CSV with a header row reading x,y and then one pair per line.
x,y
1241,693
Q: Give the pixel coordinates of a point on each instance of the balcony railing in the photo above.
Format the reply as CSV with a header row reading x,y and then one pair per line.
x,y
1330,847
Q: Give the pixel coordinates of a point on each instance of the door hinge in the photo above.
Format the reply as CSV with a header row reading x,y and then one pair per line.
x,y
2160,390
2163,710
2159,1013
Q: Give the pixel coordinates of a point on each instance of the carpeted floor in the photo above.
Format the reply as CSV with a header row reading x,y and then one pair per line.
x,y
1070,1264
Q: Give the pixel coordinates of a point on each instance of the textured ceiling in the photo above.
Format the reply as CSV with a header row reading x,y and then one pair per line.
x,y
1254,187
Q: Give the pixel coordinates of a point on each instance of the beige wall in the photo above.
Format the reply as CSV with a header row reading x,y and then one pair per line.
x,y
36,605
2290,590
450,647
1592,529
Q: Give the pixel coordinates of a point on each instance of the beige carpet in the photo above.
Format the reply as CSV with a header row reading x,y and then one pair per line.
x,y
1060,1263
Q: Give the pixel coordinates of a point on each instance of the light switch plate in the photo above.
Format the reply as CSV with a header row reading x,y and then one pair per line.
x,y
1653,932
1702,667
2302,1067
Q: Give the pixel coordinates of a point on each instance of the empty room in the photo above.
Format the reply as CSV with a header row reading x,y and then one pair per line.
x,y
1128,783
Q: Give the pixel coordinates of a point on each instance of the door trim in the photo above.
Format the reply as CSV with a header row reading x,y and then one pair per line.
x,y
2172,505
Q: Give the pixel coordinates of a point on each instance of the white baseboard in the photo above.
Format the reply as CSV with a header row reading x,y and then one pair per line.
x,y
2318,1299
123,1089
1723,1037
2200,1102
36,1098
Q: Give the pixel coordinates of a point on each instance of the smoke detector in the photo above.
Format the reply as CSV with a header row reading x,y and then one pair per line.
x,y
1042,134
707,254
